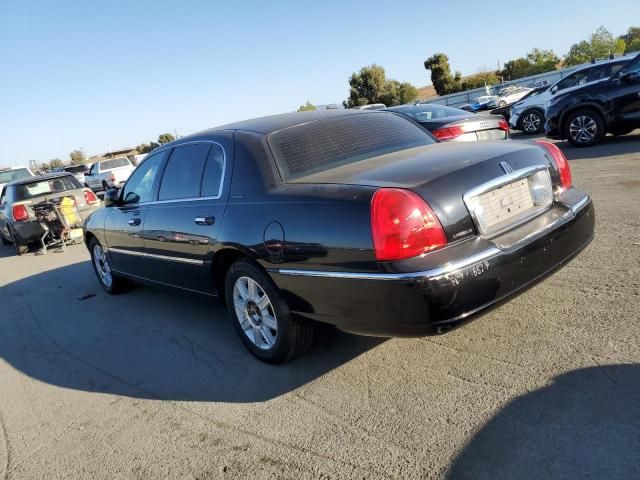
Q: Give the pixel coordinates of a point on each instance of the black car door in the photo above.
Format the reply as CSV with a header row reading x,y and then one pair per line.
x,y
625,95
183,223
124,222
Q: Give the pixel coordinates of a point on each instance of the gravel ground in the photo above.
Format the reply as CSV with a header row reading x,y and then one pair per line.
x,y
153,384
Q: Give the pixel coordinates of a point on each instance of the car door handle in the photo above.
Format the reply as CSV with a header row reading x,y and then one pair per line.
x,y
135,221
205,220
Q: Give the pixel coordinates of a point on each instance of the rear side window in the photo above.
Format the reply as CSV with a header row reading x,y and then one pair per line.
x,y
213,172
51,186
115,163
324,144
183,175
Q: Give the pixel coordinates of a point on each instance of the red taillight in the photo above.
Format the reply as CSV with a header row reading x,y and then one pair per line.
x,y
403,225
447,133
20,213
90,197
561,162
503,125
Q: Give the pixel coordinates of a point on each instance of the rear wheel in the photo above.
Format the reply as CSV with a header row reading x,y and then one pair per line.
x,y
102,266
5,241
261,317
584,128
532,122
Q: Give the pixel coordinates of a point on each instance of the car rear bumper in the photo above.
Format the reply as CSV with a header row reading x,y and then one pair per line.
x,y
430,301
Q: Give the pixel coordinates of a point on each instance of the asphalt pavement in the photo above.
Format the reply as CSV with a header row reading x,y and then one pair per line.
x,y
153,384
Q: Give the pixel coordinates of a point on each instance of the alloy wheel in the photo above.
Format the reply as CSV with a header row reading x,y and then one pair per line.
x,y
531,122
583,129
101,262
255,313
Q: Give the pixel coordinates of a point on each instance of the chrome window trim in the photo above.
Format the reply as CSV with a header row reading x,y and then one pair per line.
x,y
430,274
191,261
222,178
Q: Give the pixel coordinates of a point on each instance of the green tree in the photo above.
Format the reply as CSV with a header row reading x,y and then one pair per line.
x,y
600,43
441,78
55,163
366,86
536,61
633,33
165,138
307,107
480,80
147,147
77,157
633,46
370,85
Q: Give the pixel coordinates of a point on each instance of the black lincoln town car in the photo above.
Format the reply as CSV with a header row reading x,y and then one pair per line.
x,y
353,218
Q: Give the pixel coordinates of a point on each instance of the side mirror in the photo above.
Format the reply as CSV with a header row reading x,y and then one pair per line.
x,y
111,197
554,89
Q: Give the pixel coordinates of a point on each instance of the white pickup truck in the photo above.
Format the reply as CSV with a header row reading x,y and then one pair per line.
x,y
108,174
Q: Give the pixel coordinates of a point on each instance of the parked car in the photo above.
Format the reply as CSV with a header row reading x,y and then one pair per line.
x,y
585,115
454,124
9,174
532,108
106,174
480,103
18,224
505,111
78,171
538,84
357,219
372,106
509,97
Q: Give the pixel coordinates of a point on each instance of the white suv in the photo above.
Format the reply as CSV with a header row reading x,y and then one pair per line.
x,y
112,173
528,114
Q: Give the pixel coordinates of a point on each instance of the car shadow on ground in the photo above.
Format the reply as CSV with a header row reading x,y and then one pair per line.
x,y
60,328
610,146
586,424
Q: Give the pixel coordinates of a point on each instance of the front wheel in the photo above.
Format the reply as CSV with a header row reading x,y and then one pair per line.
x,y
532,122
110,283
261,317
584,128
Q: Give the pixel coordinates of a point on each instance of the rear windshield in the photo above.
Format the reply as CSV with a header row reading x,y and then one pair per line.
x,y
46,187
16,174
324,144
115,163
423,113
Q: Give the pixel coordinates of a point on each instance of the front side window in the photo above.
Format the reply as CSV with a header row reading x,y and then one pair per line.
x,y
139,187
183,175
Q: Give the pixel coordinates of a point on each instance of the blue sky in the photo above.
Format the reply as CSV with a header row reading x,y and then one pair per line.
x,y
85,74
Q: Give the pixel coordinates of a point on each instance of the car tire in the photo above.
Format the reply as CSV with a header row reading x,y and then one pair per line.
x,y
110,283
252,298
531,122
4,240
584,128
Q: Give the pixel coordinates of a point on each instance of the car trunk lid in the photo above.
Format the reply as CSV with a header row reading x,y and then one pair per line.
x,y
441,174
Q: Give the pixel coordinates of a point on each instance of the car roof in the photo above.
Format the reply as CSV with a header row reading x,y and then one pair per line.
x,y
39,178
273,123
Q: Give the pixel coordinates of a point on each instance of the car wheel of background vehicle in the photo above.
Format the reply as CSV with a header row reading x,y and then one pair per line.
x,y
531,122
584,128
5,241
502,103
261,317
99,259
